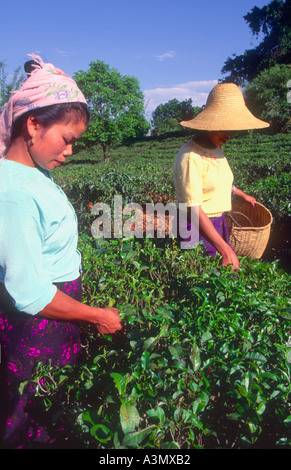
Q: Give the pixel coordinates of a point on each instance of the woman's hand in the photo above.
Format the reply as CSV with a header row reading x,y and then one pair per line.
x,y
250,199
207,229
63,307
107,320
229,257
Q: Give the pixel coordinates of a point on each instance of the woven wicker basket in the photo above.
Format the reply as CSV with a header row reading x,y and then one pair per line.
x,y
249,228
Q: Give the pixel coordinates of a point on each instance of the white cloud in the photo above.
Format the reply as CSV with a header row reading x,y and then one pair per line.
x,y
62,53
166,55
197,90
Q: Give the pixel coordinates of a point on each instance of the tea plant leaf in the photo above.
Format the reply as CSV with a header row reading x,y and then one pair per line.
x,y
145,360
120,382
261,408
170,445
22,386
286,316
136,438
206,337
165,312
195,357
101,433
174,353
256,357
157,413
129,417
150,343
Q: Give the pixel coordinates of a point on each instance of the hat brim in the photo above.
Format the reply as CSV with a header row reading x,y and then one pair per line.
x,y
206,120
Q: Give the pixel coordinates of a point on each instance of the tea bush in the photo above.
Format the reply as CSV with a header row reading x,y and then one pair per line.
x,y
203,361
275,193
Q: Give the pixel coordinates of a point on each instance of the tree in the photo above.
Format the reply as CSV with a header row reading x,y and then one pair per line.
x,y
273,21
167,116
6,85
266,96
116,106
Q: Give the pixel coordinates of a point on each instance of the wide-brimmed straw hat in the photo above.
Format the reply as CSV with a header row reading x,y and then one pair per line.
x,y
225,110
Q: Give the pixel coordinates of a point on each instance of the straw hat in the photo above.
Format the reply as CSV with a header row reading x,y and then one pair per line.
x,y
225,110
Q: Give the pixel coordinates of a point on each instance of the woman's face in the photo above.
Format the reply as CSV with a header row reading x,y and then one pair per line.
x,y
219,138
53,145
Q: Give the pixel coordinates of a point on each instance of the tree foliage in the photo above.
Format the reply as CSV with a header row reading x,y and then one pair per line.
x,y
167,116
116,106
273,22
264,71
8,83
266,96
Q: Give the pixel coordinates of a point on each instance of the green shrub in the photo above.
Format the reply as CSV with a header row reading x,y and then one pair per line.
x,y
275,193
203,361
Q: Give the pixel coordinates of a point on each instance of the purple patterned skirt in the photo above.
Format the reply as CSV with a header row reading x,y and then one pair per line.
x,y
26,340
219,224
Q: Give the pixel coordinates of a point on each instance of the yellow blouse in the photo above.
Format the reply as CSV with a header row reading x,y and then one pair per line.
x,y
203,177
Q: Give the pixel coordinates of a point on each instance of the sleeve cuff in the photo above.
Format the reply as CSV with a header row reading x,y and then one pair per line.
x,y
37,306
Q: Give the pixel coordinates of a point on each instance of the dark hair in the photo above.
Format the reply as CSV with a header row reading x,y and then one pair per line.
x,y
53,114
29,66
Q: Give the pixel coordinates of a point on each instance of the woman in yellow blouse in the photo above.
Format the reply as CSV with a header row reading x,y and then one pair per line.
x,y
202,176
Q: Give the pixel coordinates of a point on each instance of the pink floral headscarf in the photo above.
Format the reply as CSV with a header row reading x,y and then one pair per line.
x,y
46,85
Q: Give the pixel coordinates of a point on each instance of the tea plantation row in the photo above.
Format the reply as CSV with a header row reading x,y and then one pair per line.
x,y
139,171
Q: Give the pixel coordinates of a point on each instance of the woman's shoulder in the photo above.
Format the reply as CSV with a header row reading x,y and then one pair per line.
x,y
17,171
189,151
21,183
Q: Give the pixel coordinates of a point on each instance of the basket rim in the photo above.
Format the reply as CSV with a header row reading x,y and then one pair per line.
x,y
260,227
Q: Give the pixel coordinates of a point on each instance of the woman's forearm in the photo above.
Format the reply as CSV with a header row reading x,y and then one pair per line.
x,y
64,307
240,194
237,192
208,231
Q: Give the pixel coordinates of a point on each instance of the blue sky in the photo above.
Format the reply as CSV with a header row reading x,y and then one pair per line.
x,y
175,48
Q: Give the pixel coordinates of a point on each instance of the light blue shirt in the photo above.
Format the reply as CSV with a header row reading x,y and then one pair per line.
x,y
38,236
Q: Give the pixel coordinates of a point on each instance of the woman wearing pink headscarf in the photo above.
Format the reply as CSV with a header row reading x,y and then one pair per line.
x,y
40,284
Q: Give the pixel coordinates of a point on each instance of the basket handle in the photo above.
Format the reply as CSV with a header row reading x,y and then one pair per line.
x,y
233,221
230,215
